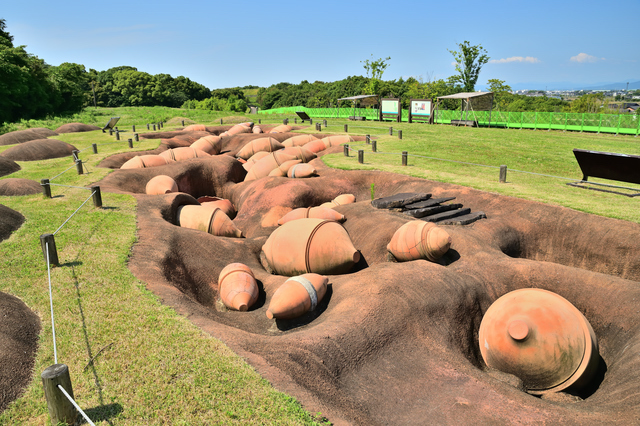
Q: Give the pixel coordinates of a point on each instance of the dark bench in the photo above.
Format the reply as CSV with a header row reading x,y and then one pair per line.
x,y
467,123
357,118
608,165
303,115
111,124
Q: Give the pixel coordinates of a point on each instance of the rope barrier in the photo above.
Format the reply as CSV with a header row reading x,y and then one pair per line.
x,y
63,172
73,214
69,186
76,405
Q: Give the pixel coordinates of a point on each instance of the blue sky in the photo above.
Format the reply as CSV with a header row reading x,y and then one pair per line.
x,y
237,43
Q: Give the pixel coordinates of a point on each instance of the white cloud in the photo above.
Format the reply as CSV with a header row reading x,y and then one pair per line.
x,y
583,57
528,59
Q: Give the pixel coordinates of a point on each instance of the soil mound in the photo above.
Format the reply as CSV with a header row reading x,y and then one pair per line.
x,y
39,149
19,330
8,166
396,343
10,220
76,128
14,186
176,121
20,136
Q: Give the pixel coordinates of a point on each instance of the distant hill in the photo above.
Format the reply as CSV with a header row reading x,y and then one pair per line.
x,y
567,85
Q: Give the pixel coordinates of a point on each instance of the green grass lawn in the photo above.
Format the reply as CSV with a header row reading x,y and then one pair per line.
x,y
134,361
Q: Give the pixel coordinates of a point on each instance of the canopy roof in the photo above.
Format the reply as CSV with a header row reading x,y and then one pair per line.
x,y
465,95
355,98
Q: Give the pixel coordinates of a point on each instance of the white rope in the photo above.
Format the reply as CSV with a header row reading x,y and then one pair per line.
x,y
65,222
53,325
76,405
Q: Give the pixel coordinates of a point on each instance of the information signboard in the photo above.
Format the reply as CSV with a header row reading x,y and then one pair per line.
x,y
421,110
390,108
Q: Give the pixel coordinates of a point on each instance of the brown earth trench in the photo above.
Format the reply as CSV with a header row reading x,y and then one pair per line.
x,y
395,343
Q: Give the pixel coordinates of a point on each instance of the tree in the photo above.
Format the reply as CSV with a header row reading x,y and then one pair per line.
x,y
469,61
6,39
501,93
375,69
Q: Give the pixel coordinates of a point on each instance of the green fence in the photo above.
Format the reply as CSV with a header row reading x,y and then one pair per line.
x,y
602,123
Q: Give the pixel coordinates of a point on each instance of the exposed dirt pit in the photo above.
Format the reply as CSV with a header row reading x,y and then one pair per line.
x,y
396,343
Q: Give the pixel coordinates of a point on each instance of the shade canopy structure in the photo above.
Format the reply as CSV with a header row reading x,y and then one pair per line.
x,y
471,102
364,100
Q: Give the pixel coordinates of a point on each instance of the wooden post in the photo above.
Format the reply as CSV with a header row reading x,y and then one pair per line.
x,y
118,134
182,123
374,145
135,136
53,252
405,156
259,120
46,188
503,174
79,166
295,120
221,121
311,121
76,154
111,131
154,127
147,126
97,196
360,156
325,123
61,410
346,149
130,142
368,138
399,134
346,128
95,148
390,131
134,128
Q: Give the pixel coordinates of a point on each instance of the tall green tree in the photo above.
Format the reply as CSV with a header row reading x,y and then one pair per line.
x,y
501,93
375,68
469,61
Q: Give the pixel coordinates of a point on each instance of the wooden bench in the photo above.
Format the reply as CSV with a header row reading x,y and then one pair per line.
x,y
608,165
111,124
466,123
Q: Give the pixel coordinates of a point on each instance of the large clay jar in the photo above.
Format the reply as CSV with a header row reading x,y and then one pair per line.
x,y
301,171
541,338
310,245
257,129
300,153
330,141
261,144
313,212
213,221
297,296
183,153
253,160
299,140
239,128
212,145
264,166
282,169
418,239
315,146
195,128
143,161
161,184
218,203
339,201
283,128
237,287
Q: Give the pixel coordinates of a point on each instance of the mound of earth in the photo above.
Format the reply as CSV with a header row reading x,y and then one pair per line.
x,y
397,343
8,166
19,330
76,128
175,121
40,149
14,186
10,220
20,136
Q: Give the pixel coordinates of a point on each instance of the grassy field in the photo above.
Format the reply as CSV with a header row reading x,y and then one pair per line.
x,y
134,361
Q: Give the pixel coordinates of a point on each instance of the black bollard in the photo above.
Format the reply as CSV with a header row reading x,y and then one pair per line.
x,y
97,196
48,239
503,174
405,156
95,148
61,410
360,156
46,188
